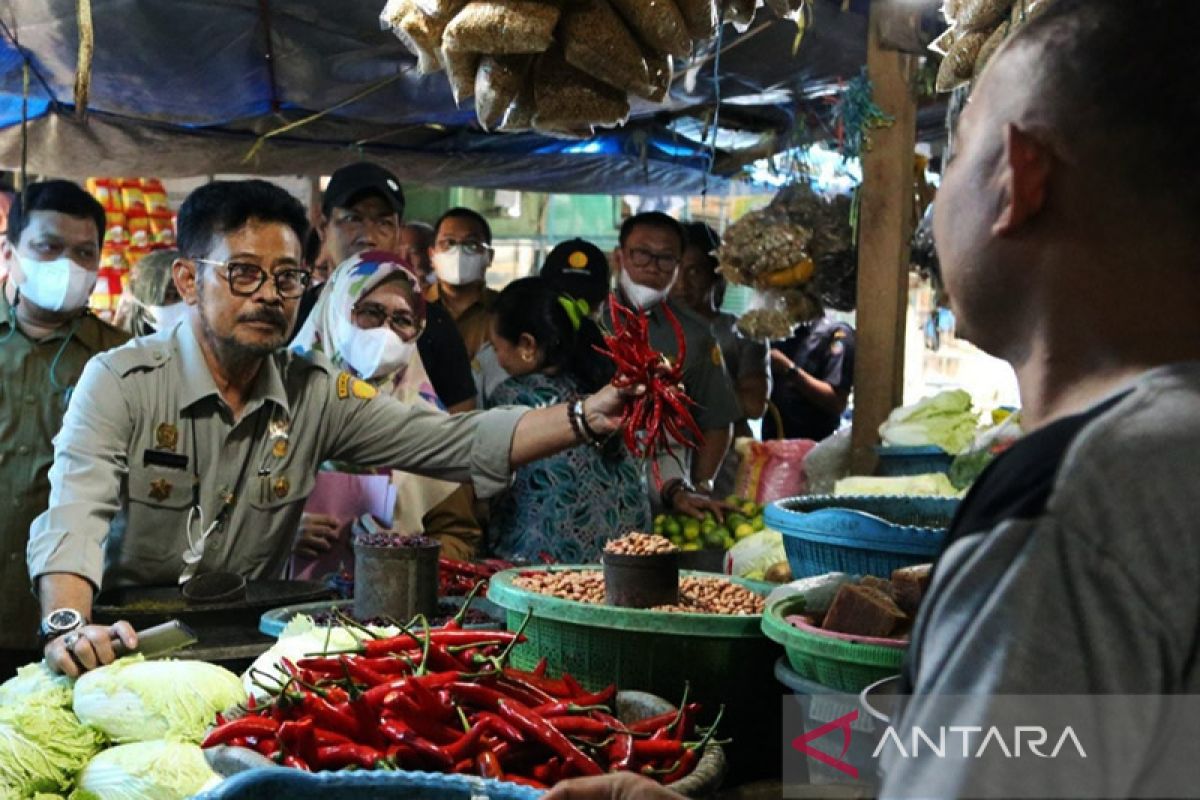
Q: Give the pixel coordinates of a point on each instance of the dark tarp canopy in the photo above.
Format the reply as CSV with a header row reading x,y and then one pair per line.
x,y
185,87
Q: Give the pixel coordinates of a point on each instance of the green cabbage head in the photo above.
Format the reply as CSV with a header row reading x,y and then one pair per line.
x,y
134,700
35,684
158,770
41,749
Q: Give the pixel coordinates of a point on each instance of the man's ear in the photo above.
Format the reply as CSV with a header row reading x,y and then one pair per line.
x,y
183,270
8,257
1027,166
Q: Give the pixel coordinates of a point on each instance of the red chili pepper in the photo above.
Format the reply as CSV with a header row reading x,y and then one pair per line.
x,y
267,747
489,765
687,763
298,738
295,762
466,745
244,727
669,718
499,726
549,772
383,647
619,751
554,688
442,660
540,669
400,733
347,755
658,749
327,716
523,718
581,726
325,738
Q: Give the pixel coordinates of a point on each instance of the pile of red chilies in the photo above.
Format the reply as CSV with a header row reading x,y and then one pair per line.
x,y
460,577
665,409
444,701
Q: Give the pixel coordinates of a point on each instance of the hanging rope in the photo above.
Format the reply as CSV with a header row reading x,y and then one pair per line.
x,y
24,122
716,115
291,126
83,65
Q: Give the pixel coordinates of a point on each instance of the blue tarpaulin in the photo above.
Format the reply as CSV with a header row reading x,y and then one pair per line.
x,y
185,87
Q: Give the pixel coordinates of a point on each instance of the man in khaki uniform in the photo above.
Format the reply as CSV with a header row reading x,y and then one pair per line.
x,y
46,336
193,450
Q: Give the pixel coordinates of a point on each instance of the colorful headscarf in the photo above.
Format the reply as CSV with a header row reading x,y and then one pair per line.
x,y
329,326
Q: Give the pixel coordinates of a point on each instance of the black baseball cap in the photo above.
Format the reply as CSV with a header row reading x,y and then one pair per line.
x,y
352,181
578,268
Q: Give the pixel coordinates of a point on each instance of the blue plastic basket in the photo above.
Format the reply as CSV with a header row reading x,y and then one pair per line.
x,y
860,535
362,785
899,461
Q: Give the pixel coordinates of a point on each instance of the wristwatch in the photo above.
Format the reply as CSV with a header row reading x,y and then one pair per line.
x,y
58,622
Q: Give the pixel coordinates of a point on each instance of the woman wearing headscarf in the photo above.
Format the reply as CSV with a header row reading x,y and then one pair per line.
x,y
367,322
150,302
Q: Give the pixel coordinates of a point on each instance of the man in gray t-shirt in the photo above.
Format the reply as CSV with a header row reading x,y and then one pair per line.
x,y
1066,229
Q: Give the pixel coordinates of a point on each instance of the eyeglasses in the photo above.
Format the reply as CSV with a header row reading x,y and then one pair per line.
x,y
644,258
470,246
246,279
387,222
373,315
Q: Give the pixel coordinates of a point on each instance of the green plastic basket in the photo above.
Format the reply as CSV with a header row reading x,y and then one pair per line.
x,y
725,659
836,663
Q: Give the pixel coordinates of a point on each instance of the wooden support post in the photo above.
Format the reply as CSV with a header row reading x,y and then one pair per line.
x,y
885,229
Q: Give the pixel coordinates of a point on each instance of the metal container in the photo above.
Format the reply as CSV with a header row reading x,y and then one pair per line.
x,y
641,581
398,582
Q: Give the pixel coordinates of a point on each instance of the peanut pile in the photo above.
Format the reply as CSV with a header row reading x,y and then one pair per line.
x,y
696,595
640,544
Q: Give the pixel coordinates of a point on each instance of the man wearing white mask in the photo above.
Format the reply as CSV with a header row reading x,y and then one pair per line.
x,y
461,253
51,256
647,263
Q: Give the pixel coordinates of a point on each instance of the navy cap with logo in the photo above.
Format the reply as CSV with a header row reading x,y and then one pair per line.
x,y
578,268
351,183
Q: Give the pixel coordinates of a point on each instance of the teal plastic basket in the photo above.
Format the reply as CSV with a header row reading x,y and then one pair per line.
x,y
900,461
363,785
726,660
833,662
860,535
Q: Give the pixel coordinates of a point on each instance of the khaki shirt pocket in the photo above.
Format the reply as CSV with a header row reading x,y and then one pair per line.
x,y
155,537
276,502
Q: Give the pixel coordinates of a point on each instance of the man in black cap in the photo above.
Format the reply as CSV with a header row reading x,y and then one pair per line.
x,y
579,269
363,209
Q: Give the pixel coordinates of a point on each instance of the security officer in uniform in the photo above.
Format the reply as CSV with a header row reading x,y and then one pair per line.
x,y
647,262
52,254
193,450
814,372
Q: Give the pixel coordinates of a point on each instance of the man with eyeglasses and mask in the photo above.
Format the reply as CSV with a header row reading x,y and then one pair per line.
x,y
51,255
363,210
647,262
192,451
461,253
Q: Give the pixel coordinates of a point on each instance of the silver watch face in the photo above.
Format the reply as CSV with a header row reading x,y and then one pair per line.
x,y
63,619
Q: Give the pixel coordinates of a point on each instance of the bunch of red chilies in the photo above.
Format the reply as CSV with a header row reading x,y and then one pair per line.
x,y
443,700
664,410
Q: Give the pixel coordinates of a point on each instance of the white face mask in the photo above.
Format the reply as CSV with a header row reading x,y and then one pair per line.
x,y
642,296
376,352
58,285
167,317
457,268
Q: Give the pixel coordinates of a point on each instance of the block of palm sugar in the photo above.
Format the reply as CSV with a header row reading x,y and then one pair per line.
x,y
910,585
863,611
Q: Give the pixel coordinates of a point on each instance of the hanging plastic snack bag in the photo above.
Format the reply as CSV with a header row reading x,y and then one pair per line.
x,y
503,27
461,67
569,100
659,24
596,41
700,17
498,82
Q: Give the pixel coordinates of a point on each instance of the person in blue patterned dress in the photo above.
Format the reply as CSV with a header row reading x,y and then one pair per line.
x,y
567,506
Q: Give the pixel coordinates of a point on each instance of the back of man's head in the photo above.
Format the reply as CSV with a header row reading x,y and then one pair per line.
x,y
223,207
1115,82
64,197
